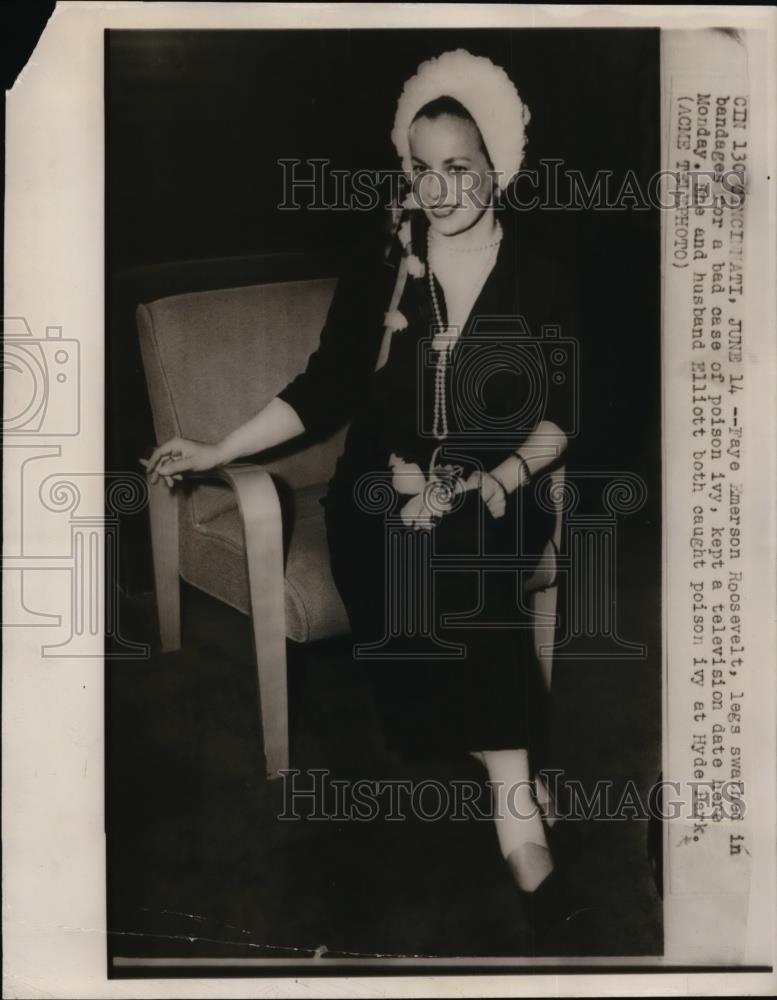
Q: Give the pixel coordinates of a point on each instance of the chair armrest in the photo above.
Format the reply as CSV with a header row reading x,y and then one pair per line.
x,y
240,476
260,512
545,576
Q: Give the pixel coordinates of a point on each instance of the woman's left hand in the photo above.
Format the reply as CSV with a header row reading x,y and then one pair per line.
x,y
492,493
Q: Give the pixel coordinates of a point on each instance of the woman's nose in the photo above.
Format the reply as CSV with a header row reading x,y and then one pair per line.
x,y
436,191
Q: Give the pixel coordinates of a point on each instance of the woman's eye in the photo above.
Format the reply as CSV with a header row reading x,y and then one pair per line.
x,y
457,168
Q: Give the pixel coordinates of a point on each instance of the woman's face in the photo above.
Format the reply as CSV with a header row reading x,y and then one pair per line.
x,y
451,173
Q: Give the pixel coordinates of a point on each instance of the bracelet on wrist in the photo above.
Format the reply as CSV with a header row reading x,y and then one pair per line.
x,y
526,474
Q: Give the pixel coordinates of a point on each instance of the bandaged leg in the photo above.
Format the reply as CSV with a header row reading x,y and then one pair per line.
x,y
518,822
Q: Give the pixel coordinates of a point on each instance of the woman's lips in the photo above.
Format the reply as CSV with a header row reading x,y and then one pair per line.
x,y
443,213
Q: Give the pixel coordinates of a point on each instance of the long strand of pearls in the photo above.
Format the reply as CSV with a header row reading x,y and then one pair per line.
x,y
446,337
443,343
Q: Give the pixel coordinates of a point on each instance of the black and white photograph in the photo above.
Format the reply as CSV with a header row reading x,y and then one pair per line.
x,y
390,469
397,388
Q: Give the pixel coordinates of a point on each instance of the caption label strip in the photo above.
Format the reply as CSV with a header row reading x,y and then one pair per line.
x,y
709,677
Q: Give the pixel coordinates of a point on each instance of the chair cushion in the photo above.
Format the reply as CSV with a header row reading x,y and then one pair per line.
x,y
213,559
211,499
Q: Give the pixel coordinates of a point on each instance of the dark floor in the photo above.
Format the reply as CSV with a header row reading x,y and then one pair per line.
x,y
200,865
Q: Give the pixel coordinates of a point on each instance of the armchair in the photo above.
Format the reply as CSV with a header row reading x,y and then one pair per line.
x,y
253,535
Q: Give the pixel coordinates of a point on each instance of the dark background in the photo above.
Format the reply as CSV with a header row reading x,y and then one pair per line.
x,y
197,120
198,864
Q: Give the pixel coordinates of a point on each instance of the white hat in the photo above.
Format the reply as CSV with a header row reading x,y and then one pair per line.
x,y
484,90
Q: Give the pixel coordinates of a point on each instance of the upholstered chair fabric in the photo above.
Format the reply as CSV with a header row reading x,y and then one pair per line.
x,y
212,360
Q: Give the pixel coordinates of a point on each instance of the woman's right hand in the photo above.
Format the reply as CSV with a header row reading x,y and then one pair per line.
x,y
178,456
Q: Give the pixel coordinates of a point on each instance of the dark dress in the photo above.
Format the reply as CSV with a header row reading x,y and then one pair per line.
x,y
443,686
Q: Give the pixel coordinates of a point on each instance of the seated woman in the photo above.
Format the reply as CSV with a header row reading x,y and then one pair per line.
x,y
408,368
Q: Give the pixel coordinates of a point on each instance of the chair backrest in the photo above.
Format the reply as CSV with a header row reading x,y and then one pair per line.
x,y
214,359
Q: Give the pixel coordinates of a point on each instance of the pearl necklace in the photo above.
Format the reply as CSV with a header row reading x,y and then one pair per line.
x,y
446,336
449,245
